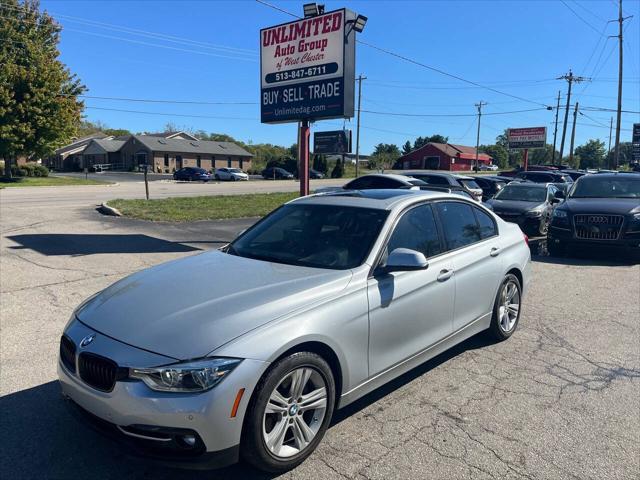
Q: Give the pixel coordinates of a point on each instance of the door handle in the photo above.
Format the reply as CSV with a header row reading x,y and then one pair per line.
x,y
444,275
495,251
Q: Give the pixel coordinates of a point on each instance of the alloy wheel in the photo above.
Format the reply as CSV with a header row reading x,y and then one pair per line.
x,y
294,412
509,306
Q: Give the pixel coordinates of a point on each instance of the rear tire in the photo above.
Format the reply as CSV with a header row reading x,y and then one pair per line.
x,y
282,436
506,308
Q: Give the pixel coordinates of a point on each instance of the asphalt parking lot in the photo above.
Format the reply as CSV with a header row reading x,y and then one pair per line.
x,y
560,399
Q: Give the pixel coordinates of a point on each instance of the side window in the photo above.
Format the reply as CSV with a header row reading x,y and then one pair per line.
x,y
486,224
459,224
381,182
417,230
359,184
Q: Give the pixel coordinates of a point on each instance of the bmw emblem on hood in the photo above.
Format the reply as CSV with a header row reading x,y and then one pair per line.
x,y
87,340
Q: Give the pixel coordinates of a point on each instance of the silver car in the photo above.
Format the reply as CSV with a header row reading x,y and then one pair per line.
x,y
232,174
246,352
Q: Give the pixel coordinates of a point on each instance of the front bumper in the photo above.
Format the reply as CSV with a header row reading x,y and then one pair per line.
x,y
131,404
565,234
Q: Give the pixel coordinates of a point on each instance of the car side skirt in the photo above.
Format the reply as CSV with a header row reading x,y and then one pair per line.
x,y
369,385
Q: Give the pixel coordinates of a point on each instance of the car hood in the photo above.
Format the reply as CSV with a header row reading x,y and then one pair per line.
x,y
513,206
189,307
615,206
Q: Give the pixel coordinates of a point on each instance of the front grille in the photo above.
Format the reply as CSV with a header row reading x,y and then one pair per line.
x,y
97,371
593,226
68,353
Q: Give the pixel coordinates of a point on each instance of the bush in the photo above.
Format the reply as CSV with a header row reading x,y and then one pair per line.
x,y
27,170
40,171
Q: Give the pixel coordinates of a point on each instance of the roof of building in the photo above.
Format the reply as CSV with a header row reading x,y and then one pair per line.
x,y
79,144
172,134
452,150
178,145
103,145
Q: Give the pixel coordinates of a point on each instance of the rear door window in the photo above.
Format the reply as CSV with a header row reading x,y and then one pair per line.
x,y
459,224
486,224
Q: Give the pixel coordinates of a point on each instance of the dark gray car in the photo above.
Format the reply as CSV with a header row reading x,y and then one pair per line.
x,y
530,205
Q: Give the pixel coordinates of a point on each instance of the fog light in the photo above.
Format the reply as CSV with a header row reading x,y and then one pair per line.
x,y
189,440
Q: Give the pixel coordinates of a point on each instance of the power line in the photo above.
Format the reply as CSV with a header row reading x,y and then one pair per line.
x,y
399,114
590,12
420,64
580,17
169,114
148,100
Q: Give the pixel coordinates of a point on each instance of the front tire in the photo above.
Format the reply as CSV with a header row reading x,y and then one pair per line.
x,y
506,308
289,413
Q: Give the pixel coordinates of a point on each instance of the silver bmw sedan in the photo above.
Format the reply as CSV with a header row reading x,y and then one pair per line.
x,y
246,352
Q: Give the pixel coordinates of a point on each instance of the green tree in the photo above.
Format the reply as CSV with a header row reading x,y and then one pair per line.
x,y
39,106
87,127
422,141
515,156
626,154
407,148
499,154
384,156
592,154
540,156
320,163
338,170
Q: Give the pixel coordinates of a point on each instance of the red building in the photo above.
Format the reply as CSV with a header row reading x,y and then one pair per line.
x,y
443,156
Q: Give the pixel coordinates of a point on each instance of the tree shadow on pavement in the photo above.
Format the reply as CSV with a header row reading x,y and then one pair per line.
x,y
91,244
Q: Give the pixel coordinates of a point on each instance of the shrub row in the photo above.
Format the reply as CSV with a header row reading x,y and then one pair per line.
x,y
27,170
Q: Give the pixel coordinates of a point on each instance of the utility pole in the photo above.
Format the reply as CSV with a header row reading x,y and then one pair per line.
x,y
570,78
620,20
359,80
609,149
479,105
573,133
555,133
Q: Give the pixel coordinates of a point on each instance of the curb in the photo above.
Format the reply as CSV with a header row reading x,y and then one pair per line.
x,y
105,209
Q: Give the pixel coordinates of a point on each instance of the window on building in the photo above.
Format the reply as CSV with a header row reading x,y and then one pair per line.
x,y
198,161
229,162
241,161
178,162
166,159
432,162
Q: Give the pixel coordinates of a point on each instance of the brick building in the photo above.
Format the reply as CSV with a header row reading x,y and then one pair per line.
x,y
442,156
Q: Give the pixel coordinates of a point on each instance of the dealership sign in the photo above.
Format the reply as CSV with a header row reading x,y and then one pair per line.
x,y
525,138
307,68
336,141
635,152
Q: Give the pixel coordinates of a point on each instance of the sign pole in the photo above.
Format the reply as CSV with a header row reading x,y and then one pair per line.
x,y
303,149
525,159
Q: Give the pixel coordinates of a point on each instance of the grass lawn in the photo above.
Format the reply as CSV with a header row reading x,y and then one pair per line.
x,y
47,182
189,209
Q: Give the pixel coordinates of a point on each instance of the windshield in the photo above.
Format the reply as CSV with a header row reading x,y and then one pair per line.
x,y
321,236
522,193
593,186
470,184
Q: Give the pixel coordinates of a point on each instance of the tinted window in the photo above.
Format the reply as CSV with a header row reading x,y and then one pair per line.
x,y
486,224
459,224
435,180
417,230
596,186
322,236
361,183
471,184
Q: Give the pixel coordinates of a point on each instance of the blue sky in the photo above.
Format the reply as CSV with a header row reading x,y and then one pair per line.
x,y
207,51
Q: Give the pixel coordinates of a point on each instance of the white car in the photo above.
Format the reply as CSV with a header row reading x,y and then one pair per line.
x,y
232,174
491,168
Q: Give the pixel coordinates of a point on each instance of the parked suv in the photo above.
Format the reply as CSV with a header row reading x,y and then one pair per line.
x,y
561,180
600,210
490,186
446,179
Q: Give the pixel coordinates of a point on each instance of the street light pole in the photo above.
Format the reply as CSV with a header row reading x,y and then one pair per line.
x,y
479,105
555,133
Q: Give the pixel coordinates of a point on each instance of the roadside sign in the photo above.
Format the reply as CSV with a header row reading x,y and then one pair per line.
x,y
307,68
635,142
336,141
526,138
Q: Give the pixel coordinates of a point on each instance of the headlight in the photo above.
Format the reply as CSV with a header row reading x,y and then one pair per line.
x,y
636,216
196,376
534,213
559,213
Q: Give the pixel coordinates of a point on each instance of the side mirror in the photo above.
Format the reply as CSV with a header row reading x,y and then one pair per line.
x,y
559,194
555,199
404,259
